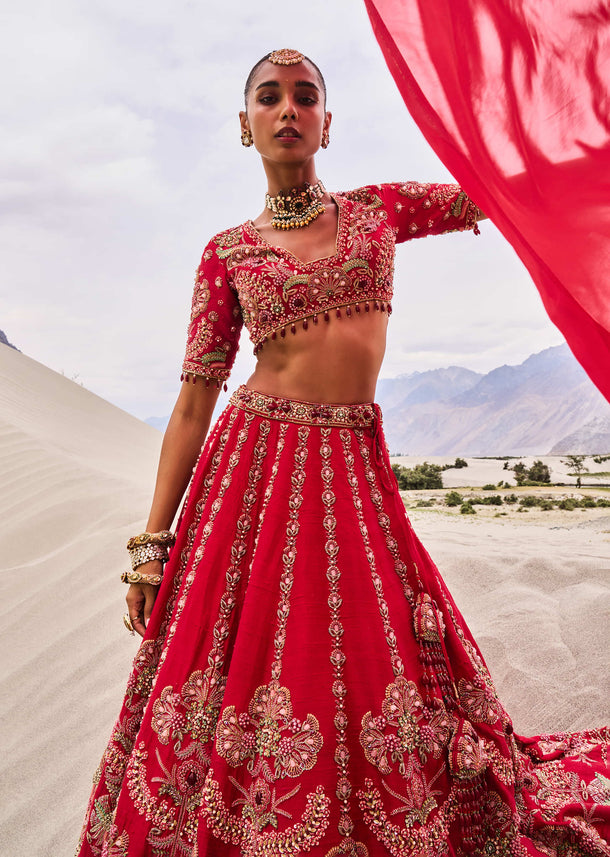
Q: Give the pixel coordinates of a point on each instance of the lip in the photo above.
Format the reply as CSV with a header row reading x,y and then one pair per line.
x,y
288,133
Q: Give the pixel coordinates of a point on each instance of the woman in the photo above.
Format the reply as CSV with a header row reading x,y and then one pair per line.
x,y
306,683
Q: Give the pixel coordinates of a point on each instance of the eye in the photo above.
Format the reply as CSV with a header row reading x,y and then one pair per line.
x,y
308,99
267,99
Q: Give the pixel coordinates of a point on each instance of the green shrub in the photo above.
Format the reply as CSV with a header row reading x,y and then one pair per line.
x,y
421,503
539,472
467,509
530,501
547,505
494,500
453,498
602,502
457,464
569,504
489,487
420,477
511,498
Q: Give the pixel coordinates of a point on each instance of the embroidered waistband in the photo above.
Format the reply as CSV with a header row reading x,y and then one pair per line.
x,y
307,413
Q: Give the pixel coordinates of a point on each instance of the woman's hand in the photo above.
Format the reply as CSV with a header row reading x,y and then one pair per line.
x,y
141,597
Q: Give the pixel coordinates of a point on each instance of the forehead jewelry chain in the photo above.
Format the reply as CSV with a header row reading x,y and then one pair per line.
x,y
297,207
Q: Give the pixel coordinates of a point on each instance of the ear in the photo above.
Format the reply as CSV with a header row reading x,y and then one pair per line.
x,y
243,121
327,120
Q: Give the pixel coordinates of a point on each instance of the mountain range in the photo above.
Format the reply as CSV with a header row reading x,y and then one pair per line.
x,y
545,405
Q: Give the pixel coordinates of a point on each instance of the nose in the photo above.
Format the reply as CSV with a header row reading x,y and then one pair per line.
x,y
289,110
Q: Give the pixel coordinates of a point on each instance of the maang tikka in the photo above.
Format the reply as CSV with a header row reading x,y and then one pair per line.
x,y
285,56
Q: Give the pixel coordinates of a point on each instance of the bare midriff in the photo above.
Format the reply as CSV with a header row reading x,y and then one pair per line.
x,y
337,361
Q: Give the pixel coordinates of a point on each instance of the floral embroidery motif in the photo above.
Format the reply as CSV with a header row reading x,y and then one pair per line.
x,y
269,733
118,845
479,700
100,823
467,756
273,744
192,713
404,728
280,291
207,349
599,790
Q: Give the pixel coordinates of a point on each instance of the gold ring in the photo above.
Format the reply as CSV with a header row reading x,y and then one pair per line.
x,y
127,622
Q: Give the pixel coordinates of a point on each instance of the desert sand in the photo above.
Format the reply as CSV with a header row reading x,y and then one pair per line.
x,y
77,475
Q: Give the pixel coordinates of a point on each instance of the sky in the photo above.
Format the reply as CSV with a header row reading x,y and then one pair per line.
x,y
121,156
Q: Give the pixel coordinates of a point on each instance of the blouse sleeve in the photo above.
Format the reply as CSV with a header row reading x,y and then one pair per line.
x,y
416,209
215,324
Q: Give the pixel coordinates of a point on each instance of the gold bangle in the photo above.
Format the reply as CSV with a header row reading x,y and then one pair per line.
x,y
136,577
165,538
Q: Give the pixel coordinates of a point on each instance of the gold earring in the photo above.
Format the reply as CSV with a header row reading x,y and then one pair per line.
x,y
246,138
325,139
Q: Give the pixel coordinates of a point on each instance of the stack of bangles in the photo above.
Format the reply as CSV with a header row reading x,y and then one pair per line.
x,y
145,548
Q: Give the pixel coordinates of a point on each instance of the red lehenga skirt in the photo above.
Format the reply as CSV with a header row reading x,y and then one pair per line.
x,y
307,684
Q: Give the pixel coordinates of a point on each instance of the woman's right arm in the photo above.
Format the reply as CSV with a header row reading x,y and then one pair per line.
x,y
184,437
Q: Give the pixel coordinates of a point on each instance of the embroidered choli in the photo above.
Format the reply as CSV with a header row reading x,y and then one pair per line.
x,y
242,279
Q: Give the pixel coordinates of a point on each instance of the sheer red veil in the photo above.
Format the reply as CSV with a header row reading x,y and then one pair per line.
x,y
514,97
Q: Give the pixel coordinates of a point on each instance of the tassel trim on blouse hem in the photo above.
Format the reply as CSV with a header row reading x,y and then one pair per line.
x,y
349,308
187,376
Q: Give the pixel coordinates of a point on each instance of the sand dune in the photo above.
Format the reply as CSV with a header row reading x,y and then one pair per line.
x,y
76,480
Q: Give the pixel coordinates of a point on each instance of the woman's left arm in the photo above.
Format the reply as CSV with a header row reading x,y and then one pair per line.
x,y
416,209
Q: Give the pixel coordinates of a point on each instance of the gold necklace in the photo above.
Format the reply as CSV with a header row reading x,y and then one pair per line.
x,y
296,208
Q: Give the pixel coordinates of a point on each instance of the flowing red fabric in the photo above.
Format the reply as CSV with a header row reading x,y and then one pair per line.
x,y
514,97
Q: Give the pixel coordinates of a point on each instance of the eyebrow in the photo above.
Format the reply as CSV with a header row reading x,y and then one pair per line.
x,y
275,83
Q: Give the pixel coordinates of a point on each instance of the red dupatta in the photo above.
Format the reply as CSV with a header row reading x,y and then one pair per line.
x,y
514,97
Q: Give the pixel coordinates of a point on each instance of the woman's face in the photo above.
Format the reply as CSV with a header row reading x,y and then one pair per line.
x,y
285,112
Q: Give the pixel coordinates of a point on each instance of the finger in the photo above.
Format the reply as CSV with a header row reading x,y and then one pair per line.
x,y
138,624
150,603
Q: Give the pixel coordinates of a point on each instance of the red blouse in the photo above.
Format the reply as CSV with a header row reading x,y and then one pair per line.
x,y
244,280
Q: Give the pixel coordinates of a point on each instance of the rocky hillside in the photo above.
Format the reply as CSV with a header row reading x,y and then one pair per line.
x,y
546,404
4,341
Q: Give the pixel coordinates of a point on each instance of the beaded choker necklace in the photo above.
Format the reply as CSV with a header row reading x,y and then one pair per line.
x,y
296,208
